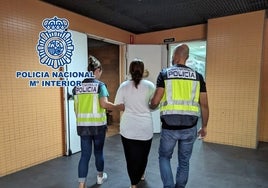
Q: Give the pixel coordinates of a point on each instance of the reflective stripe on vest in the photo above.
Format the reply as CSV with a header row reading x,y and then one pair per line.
x,y
181,97
88,110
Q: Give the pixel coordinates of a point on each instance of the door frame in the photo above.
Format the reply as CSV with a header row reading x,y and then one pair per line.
x,y
65,95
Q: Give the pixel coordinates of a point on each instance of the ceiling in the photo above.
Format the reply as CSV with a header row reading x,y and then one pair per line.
x,y
142,16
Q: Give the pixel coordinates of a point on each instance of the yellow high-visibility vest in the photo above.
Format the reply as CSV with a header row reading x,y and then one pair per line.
x,y
87,107
182,91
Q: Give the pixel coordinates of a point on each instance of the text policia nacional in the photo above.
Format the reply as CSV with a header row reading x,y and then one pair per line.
x,y
45,79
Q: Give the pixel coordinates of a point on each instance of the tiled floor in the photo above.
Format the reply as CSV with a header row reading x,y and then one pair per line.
x,y
212,166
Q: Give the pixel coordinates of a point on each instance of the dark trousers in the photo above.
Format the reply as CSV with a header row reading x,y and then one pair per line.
x,y
136,154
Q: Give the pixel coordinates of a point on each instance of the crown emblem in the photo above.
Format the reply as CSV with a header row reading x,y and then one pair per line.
x,y
53,24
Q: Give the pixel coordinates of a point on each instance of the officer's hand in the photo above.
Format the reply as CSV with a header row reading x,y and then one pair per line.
x,y
202,132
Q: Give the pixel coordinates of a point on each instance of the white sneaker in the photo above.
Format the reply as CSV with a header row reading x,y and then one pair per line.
x,y
100,180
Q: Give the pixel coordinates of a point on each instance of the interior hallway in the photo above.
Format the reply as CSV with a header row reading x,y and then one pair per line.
x,y
212,165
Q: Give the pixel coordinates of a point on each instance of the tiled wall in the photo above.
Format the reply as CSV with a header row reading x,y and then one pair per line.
x,y
263,110
234,55
31,118
196,32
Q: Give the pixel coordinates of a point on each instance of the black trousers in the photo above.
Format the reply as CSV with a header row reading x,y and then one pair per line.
x,y
136,154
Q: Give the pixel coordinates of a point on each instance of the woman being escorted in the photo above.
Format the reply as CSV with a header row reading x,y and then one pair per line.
x,y
136,125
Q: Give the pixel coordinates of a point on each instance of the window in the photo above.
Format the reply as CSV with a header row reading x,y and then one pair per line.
x,y
197,56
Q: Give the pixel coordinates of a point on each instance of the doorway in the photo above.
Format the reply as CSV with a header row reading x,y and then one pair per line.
x,y
108,54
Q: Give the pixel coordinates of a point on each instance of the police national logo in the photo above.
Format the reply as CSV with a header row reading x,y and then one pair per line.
x,y
55,46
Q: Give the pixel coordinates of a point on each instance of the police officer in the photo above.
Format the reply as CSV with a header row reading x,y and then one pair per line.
x,y
90,104
180,94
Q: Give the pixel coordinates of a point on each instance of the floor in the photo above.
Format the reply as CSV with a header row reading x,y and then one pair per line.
x,y
212,166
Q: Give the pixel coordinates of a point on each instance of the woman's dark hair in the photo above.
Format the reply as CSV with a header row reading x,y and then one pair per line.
x,y
93,63
136,70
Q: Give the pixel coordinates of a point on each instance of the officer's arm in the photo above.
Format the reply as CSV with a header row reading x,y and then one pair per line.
x,y
104,103
158,94
205,114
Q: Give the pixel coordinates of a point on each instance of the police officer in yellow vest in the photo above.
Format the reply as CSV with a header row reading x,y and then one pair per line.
x,y
181,95
90,104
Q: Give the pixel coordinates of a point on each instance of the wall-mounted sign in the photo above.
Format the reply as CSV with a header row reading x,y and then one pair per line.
x,y
55,49
169,40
